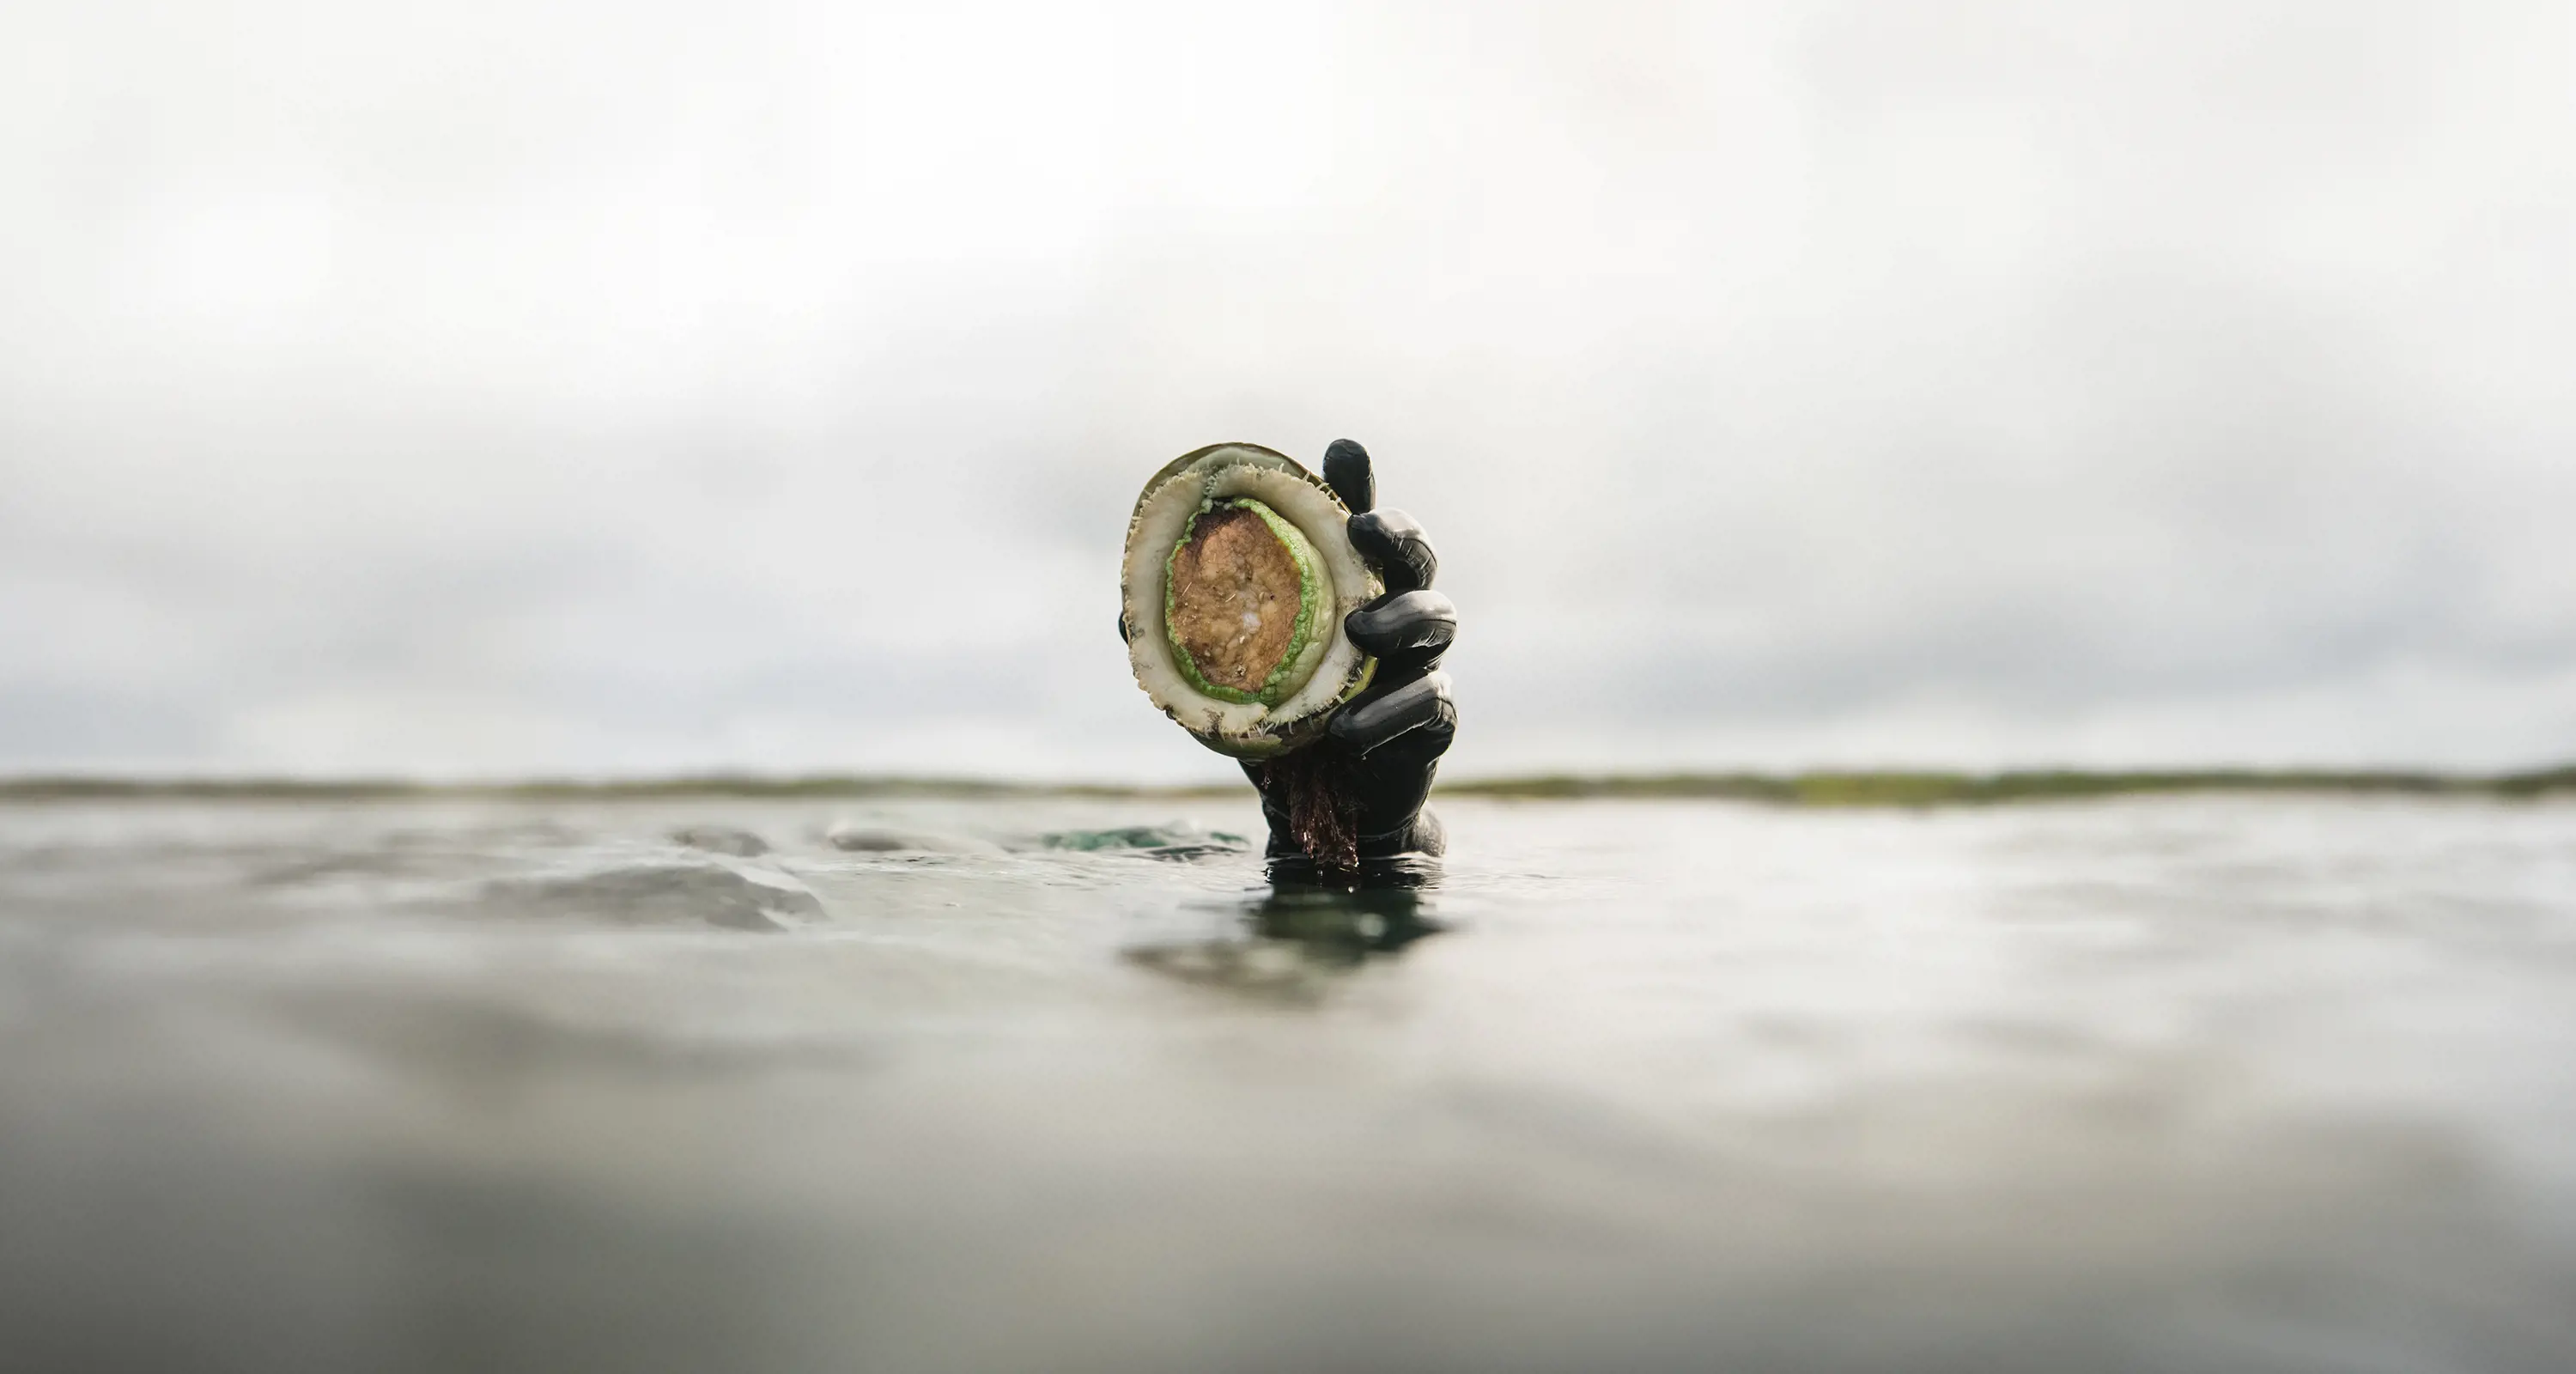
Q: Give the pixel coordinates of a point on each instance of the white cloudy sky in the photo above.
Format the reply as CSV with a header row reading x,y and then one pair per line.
x,y
484,388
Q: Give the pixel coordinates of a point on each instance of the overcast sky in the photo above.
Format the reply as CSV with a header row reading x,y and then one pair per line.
x,y
472,389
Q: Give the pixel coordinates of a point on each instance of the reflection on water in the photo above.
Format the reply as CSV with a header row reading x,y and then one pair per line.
x,y
1291,937
2170,1084
1380,915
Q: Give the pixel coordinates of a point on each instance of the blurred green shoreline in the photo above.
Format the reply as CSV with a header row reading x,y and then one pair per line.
x,y
1790,789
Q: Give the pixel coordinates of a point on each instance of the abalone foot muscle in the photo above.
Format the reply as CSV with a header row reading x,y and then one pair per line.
x,y
1234,598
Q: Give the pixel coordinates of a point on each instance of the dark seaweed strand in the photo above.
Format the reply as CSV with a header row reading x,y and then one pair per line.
x,y
1323,811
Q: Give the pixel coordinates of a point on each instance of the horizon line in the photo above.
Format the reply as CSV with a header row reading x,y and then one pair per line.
x,y
1828,786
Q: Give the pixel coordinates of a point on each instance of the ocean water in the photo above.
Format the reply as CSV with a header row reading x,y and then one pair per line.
x,y
2158,1084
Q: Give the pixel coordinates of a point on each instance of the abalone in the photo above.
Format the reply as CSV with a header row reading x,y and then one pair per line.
x,y
1237,575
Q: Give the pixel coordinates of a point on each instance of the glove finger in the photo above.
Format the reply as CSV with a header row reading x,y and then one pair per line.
x,y
1405,631
1418,705
1394,543
1413,753
1348,473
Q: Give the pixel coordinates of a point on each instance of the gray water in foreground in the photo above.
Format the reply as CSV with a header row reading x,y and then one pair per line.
x,y
2234,1084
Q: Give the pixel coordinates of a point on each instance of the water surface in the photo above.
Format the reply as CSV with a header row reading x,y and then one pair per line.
x,y
2169,1083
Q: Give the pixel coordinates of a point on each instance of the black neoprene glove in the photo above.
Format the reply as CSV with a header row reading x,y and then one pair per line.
x,y
1358,793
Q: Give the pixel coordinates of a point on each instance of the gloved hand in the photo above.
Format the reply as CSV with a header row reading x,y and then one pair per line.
x,y
1358,792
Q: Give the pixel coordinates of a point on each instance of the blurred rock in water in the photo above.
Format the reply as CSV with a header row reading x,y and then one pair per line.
x,y
661,894
1171,840
721,839
880,839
